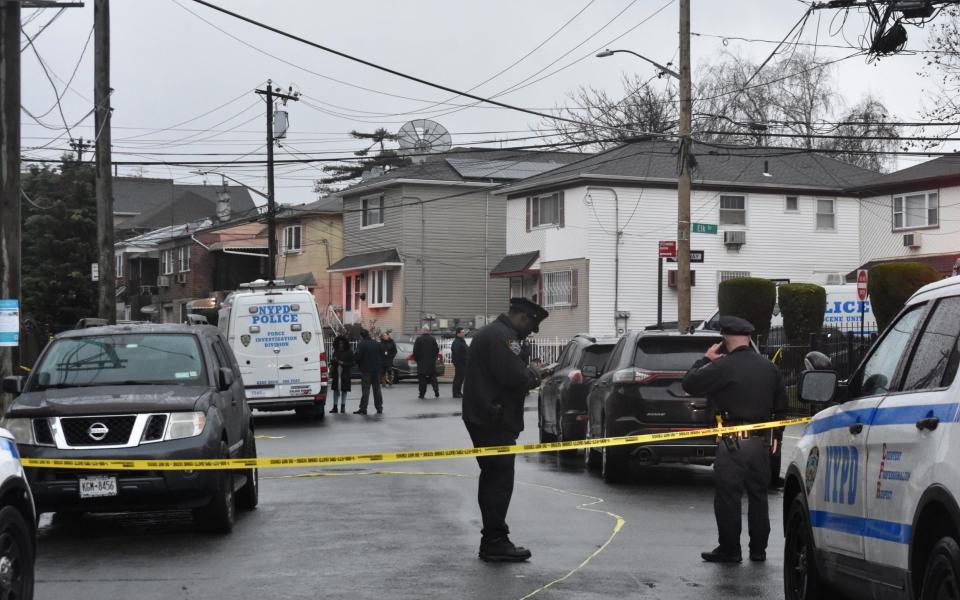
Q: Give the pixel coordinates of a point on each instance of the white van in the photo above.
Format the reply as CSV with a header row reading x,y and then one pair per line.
x,y
276,334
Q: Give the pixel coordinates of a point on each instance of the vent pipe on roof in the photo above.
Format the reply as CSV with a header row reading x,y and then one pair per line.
x,y
223,203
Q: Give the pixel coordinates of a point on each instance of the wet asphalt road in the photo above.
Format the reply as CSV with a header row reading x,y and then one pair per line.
x,y
412,530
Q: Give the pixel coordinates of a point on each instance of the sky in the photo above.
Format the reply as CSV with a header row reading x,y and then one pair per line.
x,y
184,89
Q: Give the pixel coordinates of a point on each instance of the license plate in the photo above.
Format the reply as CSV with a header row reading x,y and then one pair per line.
x,y
98,487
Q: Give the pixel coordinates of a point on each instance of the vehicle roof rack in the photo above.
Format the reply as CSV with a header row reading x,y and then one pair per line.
x,y
276,284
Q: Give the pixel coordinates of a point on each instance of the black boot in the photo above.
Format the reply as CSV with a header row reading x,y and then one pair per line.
x,y
333,410
719,555
503,550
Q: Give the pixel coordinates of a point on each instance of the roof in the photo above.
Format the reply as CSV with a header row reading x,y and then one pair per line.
x,y
655,161
366,260
156,237
942,263
305,279
931,170
512,264
332,204
162,201
138,328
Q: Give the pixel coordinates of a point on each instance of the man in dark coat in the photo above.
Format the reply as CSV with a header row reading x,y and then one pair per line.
x,y
388,351
458,355
498,379
425,351
368,362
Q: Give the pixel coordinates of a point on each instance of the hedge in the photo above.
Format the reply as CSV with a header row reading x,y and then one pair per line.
x,y
749,298
802,306
891,285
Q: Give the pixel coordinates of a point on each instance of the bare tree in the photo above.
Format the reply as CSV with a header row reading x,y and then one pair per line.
x,y
943,67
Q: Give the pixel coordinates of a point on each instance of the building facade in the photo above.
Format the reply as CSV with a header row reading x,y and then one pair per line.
x,y
310,240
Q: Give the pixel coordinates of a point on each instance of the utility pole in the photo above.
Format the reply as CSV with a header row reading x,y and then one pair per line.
x,y
107,302
683,180
79,146
270,95
9,167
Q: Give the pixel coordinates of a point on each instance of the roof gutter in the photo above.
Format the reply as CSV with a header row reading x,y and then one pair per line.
x,y
382,184
365,267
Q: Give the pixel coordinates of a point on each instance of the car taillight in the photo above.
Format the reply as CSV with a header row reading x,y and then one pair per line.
x,y
576,376
410,358
639,376
323,366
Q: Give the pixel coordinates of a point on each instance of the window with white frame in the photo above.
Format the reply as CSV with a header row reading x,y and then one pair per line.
x,y
183,259
119,266
292,239
728,275
919,209
733,210
166,262
380,288
791,204
558,288
826,215
372,212
545,211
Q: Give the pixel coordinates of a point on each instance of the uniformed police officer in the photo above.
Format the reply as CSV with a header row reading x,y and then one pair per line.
x,y
498,379
743,387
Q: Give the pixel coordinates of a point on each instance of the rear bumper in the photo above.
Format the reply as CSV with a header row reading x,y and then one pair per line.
x,y
288,403
699,450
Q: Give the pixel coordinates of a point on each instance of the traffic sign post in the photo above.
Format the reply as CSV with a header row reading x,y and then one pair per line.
x,y
862,279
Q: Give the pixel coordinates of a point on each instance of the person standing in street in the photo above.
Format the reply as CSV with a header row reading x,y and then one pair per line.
x,y
388,351
458,355
340,372
368,361
498,380
742,387
425,351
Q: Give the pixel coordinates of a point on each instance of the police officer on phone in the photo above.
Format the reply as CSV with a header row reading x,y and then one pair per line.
x,y
742,387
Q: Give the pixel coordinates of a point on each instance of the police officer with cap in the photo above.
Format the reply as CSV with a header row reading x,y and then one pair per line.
x,y
742,387
498,379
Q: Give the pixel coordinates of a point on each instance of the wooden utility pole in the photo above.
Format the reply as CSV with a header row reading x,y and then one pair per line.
x,y
9,166
107,303
683,180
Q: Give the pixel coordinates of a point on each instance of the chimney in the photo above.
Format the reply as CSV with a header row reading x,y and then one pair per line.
x,y
223,203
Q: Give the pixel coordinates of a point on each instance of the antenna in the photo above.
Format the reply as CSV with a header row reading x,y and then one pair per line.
x,y
423,136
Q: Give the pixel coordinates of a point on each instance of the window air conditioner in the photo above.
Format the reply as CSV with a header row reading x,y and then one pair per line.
x,y
911,240
734,238
163,281
181,277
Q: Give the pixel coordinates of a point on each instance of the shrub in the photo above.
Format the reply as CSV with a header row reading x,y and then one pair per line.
x,y
891,285
749,298
802,306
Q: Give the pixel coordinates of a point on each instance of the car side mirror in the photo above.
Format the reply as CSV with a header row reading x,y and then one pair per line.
x,y
225,379
818,387
590,371
13,384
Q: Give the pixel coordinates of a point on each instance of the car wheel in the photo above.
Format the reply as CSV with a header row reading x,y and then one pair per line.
x,y
249,495
801,581
220,513
16,555
562,438
591,457
545,436
613,462
941,578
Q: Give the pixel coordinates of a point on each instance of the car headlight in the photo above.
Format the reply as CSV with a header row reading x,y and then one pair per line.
x,y
21,429
185,424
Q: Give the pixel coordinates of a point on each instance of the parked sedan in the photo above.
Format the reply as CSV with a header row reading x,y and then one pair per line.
x,y
563,393
404,367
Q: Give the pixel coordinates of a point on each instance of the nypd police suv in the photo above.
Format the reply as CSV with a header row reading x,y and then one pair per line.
x,y
872,494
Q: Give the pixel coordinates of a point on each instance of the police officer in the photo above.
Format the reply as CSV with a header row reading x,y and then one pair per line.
x,y
743,387
498,379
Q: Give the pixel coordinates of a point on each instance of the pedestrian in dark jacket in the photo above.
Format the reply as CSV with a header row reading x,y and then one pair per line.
x,y
388,351
341,366
497,382
458,355
368,361
425,351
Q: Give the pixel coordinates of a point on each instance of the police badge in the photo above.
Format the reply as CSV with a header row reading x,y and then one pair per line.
x,y
514,347
306,335
245,340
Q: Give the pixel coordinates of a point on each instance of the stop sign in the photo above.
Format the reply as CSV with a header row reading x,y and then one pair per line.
x,y
862,284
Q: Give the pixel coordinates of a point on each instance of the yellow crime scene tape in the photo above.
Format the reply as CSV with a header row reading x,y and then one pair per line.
x,y
281,462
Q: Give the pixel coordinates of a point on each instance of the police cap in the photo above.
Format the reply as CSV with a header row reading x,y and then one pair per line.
x,y
735,326
531,308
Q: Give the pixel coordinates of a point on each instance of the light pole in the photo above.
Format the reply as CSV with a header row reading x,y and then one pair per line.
x,y
663,70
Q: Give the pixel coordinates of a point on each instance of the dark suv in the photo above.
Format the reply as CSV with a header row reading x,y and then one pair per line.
x,y
563,394
639,392
136,392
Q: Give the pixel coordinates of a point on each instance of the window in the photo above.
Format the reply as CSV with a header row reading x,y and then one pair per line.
x,y
545,211
380,288
916,210
119,266
673,353
792,204
166,261
826,219
372,212
878,371
560,288
733,210
183,259
934,363
728,275
347,293
292,240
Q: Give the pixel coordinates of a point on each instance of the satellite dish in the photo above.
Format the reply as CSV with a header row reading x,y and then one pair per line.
x,y
423,136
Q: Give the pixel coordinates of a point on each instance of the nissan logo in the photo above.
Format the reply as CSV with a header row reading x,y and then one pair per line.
x,y
98,431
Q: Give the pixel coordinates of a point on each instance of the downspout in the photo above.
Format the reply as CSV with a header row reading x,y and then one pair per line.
x,y
326,248
616,252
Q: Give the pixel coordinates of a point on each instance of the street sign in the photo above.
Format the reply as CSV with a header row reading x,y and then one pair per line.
x,y
703,228
862,284
94,272
9,322
668,249
696,256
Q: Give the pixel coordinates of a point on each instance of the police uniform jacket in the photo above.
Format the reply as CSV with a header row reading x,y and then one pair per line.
x,y
498,378
743,384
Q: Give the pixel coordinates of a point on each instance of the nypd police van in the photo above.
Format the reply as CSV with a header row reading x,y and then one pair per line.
x,y
276,334
872,494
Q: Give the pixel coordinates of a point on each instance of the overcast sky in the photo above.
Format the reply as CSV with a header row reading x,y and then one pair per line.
x,y
169,66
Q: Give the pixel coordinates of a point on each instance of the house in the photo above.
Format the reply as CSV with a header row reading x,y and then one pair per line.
x,y
310,240
583,239
419,240
912,215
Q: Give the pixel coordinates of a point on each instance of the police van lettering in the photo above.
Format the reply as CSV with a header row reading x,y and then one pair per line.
x,y
848,311
275,313
885,474
840,474
275,339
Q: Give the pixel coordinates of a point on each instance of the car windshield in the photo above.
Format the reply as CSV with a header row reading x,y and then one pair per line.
x,y
125,359
673,353
404,347
596,356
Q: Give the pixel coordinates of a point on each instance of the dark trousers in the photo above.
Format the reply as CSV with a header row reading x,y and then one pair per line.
x,y
424,379
459,374
368,380
496,481
747,468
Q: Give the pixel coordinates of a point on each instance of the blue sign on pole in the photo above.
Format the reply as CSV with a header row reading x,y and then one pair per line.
x,y
9,322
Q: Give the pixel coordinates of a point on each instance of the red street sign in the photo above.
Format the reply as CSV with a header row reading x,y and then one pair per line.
x,y
862,284
668,249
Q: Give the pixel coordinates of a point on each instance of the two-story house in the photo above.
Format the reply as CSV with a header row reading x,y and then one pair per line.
x,y
310,240
583,239
420,240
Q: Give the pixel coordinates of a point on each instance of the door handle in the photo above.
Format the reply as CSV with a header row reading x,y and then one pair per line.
x,y
286,366
928,423
856,428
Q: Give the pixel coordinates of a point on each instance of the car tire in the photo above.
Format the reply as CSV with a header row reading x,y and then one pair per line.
x,y
941,577
562,438
220,513
545,436
801,580
17,555
249,495
613,462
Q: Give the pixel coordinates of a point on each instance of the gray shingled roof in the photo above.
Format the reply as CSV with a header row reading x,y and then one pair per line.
x,y
160,202
514,263
945,166
365,260
656,161
330,205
